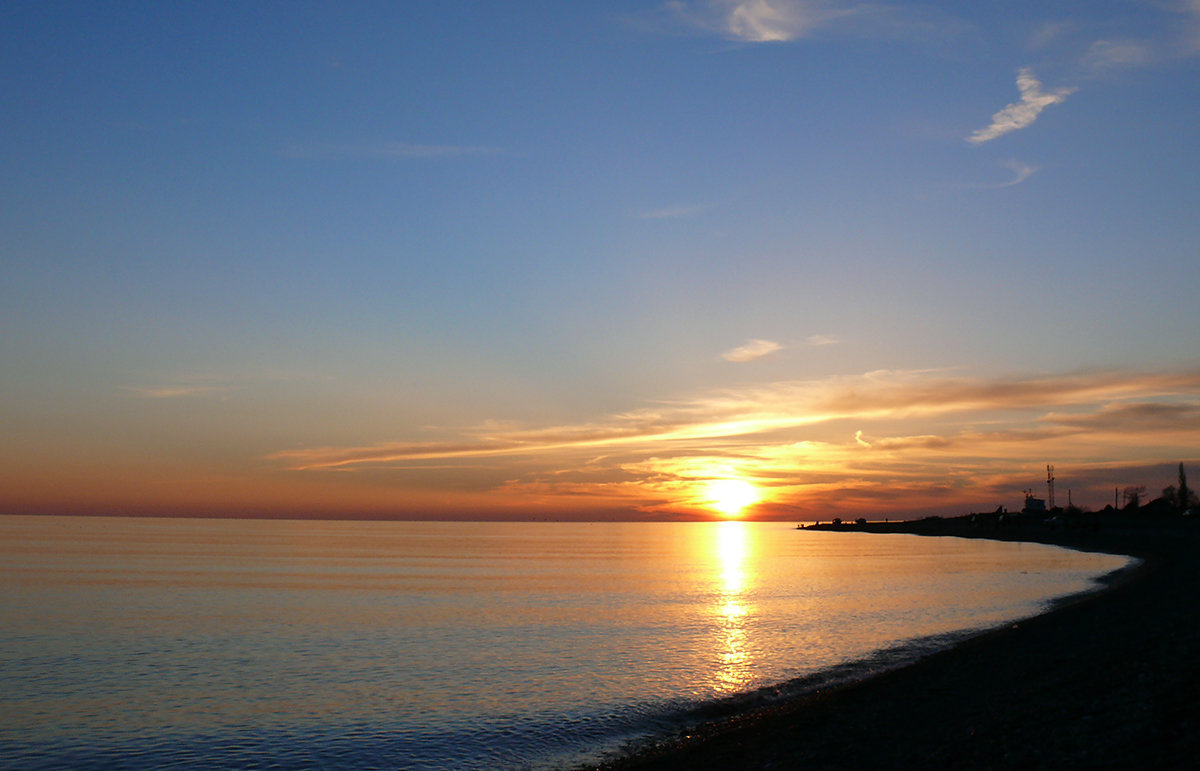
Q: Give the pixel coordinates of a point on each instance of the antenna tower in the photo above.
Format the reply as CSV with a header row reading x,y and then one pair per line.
x,y
1050,485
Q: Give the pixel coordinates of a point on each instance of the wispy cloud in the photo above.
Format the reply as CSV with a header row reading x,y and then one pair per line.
x,y
918,442
1179,38
177,391
1192,26
923,435
1020,114
1022,172
673,212
1168,30
1049,32
1134,417
766,21
196,384
758,21
1117,54
782,21
822,340
779,406
381,150
753,349
1019,173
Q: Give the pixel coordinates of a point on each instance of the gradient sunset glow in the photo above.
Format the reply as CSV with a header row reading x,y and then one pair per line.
x,y
634,260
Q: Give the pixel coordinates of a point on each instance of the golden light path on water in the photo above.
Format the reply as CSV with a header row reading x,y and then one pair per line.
x,y
733,611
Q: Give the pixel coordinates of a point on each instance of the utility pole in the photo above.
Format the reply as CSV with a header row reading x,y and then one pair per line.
x,y
1050,485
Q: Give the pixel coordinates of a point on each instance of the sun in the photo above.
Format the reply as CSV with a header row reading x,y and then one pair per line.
x,y
730,496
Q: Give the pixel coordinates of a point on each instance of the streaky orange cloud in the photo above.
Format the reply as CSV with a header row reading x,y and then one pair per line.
x,y
931,439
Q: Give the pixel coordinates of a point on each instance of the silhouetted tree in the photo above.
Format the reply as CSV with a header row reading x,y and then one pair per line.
x,y
1133,496
1184,495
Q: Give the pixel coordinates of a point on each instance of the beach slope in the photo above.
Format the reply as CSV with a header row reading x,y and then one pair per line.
x,y
1110,680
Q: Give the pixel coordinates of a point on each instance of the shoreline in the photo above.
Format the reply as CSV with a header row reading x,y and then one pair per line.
x,y
1104,678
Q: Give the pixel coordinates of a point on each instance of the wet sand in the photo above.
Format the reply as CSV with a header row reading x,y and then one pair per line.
x,y
1112,680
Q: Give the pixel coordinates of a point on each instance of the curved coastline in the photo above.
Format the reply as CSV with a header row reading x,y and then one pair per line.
x,y
1104,678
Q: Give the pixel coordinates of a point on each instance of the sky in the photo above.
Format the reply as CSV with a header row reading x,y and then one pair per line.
x,y
776,259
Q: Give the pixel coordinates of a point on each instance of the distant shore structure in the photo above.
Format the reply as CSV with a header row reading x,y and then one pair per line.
x,y
1039,505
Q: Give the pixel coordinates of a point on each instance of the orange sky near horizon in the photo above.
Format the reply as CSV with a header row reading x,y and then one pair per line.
x,y
882,444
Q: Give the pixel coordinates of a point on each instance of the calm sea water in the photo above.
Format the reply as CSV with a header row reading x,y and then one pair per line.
x,y
150,643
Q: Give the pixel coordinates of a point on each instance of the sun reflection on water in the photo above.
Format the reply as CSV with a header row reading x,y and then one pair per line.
x,y
733,609
732,544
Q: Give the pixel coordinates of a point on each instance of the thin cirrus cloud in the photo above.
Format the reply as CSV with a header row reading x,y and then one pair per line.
x,y
177,391
1192,25
1022,172
322,151
1020,114
194,385
753,349
783,21
1134,416
760,21
673,212
784,436
757,21
1049,32
1117,54
764,410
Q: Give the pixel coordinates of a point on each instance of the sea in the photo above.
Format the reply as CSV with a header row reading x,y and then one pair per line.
x,y
137,643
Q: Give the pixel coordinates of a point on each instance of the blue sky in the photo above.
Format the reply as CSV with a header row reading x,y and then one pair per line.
x,y
241,240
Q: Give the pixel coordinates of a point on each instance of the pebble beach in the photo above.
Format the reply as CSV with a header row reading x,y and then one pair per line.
x,y
1107,680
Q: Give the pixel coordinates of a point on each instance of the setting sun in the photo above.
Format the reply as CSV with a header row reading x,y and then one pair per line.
x,y
731,496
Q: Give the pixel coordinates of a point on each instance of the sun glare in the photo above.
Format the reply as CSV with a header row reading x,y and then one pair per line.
x,y
731,496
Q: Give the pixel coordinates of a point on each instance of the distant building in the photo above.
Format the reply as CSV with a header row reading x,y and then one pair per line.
x,y
1034,505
